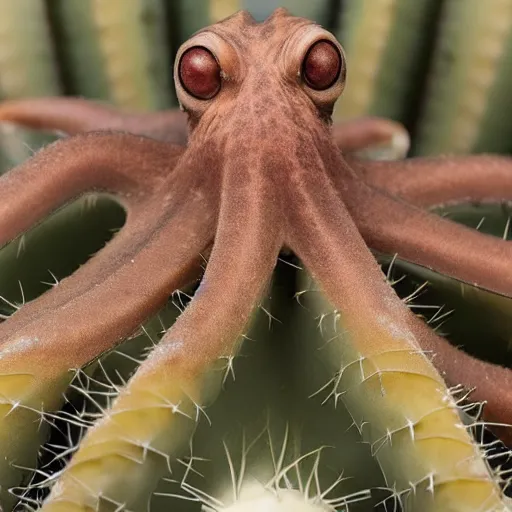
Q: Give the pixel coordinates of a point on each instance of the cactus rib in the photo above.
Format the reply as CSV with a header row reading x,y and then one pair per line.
x,y
261,172
376,360
30,333
157,410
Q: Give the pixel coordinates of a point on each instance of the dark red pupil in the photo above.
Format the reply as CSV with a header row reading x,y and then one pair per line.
x,y
199,73
322,65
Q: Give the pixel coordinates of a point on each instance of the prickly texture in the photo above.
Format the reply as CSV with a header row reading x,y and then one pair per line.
x,y
175,382
36,264
273,454
463,108
261,171
148,424
417,440
35,259
95,276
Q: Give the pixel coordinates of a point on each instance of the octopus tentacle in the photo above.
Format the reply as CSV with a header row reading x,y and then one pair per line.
x,y
490,384
77,321
122,164
121,251
326,239
392,226
181,189
75,115
133,290
372,136
183,371
143,216
430,182
381,356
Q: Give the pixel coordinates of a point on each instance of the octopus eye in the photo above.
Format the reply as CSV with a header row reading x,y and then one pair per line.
x,y
199,73
322,65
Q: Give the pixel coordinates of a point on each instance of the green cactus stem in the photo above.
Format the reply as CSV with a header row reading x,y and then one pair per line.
x,y
317,11
385,41
464,109
429,460
27,68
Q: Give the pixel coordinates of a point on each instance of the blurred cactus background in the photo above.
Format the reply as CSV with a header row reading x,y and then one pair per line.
x,y
441,67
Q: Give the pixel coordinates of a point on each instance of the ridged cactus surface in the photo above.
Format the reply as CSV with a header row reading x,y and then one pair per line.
x,y
27,68
304,410
441,67
466,107
386,43
116,51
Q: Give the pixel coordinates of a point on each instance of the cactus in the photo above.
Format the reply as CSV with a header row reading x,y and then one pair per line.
x,y
317,11
306,409
27,68
396,48
464,109
116,51
274,454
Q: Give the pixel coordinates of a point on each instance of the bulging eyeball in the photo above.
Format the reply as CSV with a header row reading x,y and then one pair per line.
x,y
322,65
200,73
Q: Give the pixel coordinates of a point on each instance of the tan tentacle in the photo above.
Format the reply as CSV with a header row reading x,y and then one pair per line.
x,y
372,137
392,226
129,159
397,399
88,323
489,384
156,252
37,358
154,416
128,166
429,182
75,115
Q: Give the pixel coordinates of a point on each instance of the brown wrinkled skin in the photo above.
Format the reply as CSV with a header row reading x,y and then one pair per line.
x,y
256,168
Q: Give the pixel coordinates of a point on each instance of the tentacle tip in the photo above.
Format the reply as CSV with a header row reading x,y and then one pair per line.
x,y
396,148
401,143
7,124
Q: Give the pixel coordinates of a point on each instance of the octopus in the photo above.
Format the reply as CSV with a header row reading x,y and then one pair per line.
x,y
251,165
